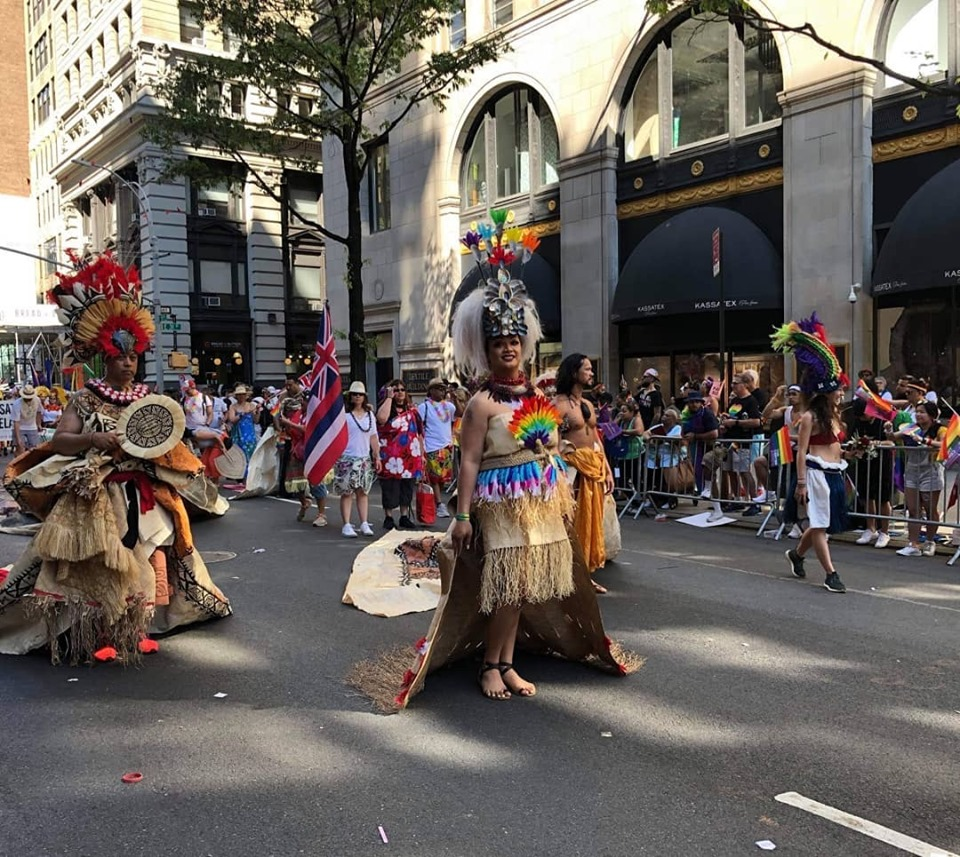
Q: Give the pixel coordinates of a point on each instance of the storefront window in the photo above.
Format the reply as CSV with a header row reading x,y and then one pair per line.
x,y
700,89
515,140
701,67
642,129
917,39
920,340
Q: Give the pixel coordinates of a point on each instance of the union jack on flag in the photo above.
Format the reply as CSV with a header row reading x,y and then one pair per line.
x,y
326,426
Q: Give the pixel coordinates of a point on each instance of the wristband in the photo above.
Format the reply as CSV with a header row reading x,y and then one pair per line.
x,y
462,516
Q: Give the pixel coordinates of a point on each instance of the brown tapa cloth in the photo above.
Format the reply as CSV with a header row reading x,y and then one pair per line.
x,y
571,628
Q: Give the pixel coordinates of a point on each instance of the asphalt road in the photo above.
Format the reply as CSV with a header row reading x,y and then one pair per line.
x,y
755,684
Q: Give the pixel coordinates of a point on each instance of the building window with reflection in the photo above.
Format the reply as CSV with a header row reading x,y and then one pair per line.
x,y
502,12
220,198
917,40
704,81
512,150
378,171
305,247
458,27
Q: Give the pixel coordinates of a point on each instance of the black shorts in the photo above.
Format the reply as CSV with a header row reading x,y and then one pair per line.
x,y
396,492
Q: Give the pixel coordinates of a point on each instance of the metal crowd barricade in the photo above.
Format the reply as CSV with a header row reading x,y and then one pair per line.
x,y
625,454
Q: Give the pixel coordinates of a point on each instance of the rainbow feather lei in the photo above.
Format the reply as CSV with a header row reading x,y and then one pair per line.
x,y
535,420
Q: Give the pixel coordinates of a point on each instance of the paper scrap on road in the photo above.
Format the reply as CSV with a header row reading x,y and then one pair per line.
x,y
73,679
703,520
219,695
383,834
259,550
606,734
766,845
862,825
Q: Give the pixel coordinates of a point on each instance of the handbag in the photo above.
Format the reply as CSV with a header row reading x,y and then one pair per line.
x,y
426,504
680,479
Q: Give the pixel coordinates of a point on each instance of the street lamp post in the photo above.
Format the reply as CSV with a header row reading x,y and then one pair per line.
x,y
144,207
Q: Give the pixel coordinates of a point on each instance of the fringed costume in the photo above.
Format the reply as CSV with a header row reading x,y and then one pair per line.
x,y
114,558
522,554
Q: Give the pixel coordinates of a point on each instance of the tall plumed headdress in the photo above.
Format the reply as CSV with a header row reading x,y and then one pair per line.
x,y
501,306
101,304
820,371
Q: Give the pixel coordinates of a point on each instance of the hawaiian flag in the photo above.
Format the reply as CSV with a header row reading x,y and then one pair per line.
x,y
326,425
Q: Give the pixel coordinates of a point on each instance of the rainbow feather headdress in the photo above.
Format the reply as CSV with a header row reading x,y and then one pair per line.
x,y
101,305
820,371
495,249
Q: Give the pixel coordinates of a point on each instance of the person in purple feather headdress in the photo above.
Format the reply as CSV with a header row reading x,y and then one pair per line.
x,y
818,488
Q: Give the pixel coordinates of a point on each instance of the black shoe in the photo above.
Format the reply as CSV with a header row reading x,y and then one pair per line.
x,y
796,563
406,524
388,523
751,510
729,507
833,583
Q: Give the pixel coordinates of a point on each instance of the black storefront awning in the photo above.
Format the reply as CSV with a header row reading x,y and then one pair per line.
x,y
542,282
921,250
670,272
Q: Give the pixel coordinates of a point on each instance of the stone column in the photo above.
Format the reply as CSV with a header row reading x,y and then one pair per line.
x,y
828,205
588,256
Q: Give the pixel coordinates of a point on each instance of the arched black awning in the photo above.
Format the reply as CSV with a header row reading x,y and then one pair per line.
x,y
543,284
670,272
921,250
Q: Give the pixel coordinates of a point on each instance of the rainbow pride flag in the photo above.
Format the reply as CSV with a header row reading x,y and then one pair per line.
x,y
950,437
912,433
876,407
784,446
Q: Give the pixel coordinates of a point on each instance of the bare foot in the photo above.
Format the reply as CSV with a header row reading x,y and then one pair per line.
x,y
513,681
600,590
492,685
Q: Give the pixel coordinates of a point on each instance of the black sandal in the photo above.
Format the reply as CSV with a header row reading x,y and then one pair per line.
x,y
524,694
496,695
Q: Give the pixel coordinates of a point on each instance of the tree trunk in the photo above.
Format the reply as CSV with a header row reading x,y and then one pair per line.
x,y
357,337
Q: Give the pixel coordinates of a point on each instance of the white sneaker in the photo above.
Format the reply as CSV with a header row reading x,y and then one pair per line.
x,y
909,550
761,497
705,494
365,530
442,511
883,539
867,537
348,532
795,533
929,549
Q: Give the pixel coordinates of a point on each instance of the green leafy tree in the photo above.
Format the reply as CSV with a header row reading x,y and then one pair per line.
x,y
351,70
741,10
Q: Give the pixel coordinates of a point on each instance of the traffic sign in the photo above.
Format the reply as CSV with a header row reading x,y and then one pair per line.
x,y
164,310
171,326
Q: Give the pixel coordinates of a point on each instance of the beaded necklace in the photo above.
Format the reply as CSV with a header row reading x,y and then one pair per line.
x,y
117,397
369,422
507,390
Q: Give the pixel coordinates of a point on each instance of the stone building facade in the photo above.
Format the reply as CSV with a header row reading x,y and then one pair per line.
x,y
238,283
624,141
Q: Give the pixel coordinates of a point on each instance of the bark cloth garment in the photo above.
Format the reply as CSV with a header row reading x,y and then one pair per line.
x,y
89,577
590,465
522,555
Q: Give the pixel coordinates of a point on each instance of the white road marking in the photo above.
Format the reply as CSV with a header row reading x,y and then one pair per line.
x,y
861,825
283,499
783,578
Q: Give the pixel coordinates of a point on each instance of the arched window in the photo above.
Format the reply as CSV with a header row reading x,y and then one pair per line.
x,y
512,150
917,39
704,81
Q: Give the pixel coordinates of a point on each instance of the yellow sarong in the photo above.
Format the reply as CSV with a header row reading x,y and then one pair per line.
x,y
590,464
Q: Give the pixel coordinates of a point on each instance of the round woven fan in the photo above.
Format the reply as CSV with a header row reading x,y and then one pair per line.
x,y
151,427
232,464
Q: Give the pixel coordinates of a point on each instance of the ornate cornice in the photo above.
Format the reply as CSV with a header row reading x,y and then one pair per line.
x,y
702,193
916,144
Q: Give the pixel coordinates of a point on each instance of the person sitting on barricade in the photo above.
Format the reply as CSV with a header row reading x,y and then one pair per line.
x,y
700,430
922,476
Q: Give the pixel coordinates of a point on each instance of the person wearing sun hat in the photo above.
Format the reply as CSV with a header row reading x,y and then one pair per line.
x,y
27,419
242,418
114,558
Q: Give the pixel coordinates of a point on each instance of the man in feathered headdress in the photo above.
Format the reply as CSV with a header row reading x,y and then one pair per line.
x,y
114,558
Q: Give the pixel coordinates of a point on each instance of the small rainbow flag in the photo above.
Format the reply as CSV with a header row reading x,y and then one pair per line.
x,y
784,446
876,407
275,409
535,420
950,437
912,432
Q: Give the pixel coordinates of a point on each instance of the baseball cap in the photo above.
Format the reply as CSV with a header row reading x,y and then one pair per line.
x,y
694,396
653,373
